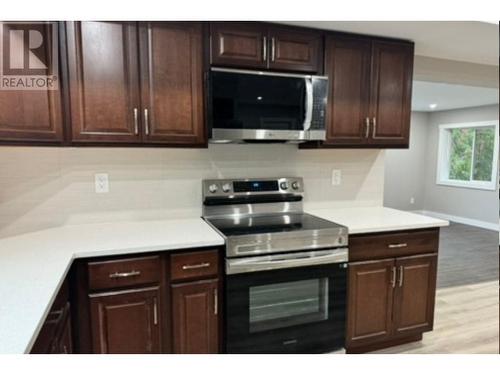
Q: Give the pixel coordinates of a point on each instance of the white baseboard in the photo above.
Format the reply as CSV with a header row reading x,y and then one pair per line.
x,y
461,220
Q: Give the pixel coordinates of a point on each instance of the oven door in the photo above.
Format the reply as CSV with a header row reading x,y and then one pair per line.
x,y
262,106
287,310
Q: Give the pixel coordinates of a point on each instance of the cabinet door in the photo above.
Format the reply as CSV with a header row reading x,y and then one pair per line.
x,y
65,341
28,115
347,65
103,81
391,93
172,82
126,321
242,44
295,50
415,294
195,317
369,311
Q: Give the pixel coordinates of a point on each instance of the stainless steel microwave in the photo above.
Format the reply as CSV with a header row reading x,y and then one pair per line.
x,y
255,106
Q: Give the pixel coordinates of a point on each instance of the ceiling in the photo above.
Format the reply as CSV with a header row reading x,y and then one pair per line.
x,y
447,96
469,41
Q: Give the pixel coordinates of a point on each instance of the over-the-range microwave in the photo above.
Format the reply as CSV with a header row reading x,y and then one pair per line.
x,y
256,106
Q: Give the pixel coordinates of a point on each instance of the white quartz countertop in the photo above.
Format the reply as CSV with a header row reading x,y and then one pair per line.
x,y
377,219
33,266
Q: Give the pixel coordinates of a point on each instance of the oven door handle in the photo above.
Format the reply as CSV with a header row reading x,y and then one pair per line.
x,y
272,262
308,103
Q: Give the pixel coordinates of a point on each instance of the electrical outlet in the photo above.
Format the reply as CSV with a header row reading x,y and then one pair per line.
x,y
412,200
336,177
101,183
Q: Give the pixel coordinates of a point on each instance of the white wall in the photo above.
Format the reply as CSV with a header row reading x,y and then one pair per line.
x,y
473,204
405,169
44,186
417,166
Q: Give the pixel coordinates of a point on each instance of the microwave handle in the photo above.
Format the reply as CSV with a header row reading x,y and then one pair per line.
x,y
308,104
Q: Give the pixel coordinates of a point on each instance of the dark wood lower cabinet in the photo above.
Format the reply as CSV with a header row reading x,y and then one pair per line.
x,y
391,300
126,321
195,308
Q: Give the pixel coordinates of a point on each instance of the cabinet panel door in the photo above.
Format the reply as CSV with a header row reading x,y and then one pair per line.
x,y
295,50
126,321
415,294
195,317
172,82
103,81
238,44
391,93
28,115
347,65
369,312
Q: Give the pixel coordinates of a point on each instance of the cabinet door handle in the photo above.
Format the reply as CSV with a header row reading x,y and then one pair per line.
x,y
195,266
367,122
216,301
397,245
374,128
118,275
155,312
146,121
136,122
264,48
273,49
401,271
393,278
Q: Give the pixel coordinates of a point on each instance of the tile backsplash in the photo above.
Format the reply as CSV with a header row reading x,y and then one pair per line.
x,y
42,187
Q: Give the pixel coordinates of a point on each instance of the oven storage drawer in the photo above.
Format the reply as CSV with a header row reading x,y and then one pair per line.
x,y
390,245
123,272
195,265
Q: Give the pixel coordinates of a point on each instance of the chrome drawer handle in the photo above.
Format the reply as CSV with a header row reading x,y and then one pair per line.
x,y
393,279
401,271
397,245
195,266
118,275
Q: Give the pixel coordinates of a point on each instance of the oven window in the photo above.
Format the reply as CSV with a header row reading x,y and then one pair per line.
x,y
288,304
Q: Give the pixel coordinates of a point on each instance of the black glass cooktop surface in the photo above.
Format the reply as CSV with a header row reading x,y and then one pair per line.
x,y
237,226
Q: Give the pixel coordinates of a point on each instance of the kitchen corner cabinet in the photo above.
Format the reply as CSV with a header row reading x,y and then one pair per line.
x,y
55,336
264,46
146,88
369,101
392,286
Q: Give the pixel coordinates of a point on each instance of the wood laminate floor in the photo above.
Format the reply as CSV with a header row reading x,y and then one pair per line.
x,y
467,311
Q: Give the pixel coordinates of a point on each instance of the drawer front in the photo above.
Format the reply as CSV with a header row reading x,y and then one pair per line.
x,y
194,265
124,272
390,245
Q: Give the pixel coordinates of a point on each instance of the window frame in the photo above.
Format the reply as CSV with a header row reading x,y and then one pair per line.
x,y
443,159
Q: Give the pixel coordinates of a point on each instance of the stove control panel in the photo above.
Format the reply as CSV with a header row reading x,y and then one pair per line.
x,y
254,186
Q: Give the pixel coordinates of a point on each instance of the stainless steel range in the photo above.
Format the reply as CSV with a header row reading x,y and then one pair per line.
x,y
285,269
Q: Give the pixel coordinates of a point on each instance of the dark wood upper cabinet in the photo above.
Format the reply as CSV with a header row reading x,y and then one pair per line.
x,y
126,322
415,294
348,68
392,74
370,301
172,82
264,46
103,82
31,115
242,44
195,307
295,50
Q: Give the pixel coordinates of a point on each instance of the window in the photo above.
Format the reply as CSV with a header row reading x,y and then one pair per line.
x,y
468,155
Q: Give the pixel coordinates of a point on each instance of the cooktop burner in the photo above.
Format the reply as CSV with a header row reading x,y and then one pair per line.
x,y
259,224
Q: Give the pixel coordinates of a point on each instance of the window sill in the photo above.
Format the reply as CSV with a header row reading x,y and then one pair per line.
x,y
468,185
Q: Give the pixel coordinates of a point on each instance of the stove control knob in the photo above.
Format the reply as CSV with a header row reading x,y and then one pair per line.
x,y
284,185
226,188
295,185
213,188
